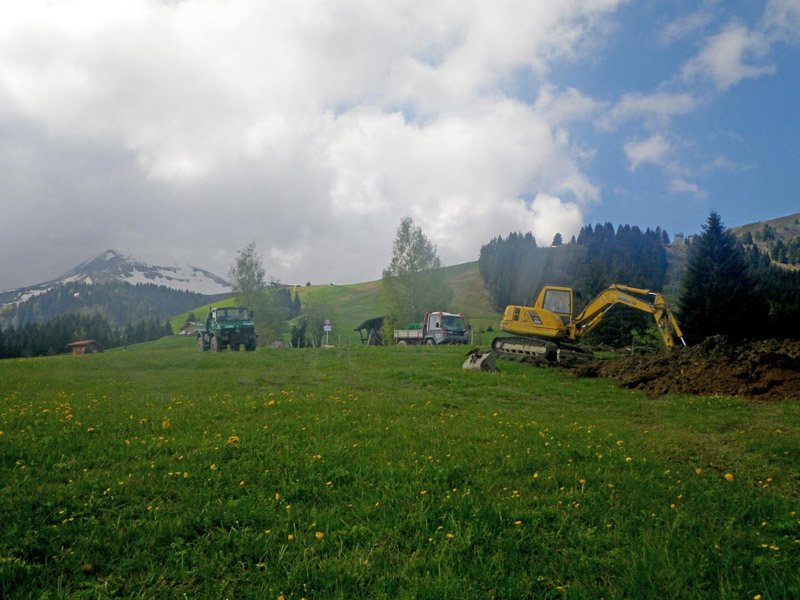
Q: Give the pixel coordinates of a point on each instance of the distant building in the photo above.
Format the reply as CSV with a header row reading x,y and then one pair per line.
x,y
188,329
85,347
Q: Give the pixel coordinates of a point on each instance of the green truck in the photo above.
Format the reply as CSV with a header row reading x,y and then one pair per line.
x,y
228,327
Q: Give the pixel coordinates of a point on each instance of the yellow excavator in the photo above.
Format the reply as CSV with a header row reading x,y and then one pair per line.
x,y
547,328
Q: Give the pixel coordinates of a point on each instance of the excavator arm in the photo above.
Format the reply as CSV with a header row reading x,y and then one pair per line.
x,y
620,294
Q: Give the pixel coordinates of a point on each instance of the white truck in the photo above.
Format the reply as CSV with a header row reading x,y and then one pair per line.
x,y
436,328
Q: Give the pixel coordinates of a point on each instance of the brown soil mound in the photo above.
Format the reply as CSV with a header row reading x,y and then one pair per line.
x,y
766,370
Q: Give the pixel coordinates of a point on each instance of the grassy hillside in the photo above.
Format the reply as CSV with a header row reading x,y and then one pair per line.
x,y
786,228
162,472
348,305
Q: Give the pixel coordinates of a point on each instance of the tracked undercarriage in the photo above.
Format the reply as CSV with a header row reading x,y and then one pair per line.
x,y
537,348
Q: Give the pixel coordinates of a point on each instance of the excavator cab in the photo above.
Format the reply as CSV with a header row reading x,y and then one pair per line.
x,y
549,316
556,300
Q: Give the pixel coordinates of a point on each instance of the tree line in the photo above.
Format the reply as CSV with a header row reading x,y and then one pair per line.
x,y
515,268
52,336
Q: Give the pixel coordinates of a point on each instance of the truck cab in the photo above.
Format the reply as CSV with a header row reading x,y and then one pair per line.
x,y
444,328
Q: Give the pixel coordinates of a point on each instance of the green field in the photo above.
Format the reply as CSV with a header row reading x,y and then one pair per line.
x,y
163,472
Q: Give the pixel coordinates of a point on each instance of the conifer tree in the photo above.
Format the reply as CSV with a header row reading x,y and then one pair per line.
x,y
718,295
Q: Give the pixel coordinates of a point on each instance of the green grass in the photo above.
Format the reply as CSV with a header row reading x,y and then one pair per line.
x,y
163,472
350,304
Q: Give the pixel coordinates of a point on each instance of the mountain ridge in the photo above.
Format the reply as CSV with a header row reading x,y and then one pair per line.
x,y
112,266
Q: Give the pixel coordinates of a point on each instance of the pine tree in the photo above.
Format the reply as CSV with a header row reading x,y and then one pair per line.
x,y
717,295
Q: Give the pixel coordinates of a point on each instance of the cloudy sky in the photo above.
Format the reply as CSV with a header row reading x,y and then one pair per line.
x,y
184,129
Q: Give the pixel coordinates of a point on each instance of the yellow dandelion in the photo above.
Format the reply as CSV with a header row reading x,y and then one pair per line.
x,y
290,537
213,467
319,535
728,477
234,439
423,492
517,522
582,481
165,424
450,536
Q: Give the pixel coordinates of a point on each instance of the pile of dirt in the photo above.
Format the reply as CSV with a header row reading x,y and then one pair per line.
x,y
765,370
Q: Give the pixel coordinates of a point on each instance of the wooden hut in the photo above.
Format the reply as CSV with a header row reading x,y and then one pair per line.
x,y
85,347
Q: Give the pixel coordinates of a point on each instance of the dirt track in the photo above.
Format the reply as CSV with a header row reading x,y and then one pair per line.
x,y
764,370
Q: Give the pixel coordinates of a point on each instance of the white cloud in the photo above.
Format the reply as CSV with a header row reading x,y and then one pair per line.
x,y
681,186
560,107
657,108
724,59
651,150
686,25
782,20
310,128
722,162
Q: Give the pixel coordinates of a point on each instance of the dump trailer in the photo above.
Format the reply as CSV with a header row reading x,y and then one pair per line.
x,y
548,329
436,328
226,327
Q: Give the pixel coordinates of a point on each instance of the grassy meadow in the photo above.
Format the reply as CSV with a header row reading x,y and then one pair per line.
x,y
163,472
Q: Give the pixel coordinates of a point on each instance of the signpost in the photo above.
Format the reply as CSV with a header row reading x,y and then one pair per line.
x,y
327,329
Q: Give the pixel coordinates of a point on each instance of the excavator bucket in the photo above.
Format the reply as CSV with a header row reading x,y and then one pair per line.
x,y
480,361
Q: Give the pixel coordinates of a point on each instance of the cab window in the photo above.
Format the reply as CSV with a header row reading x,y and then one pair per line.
x,y
557,301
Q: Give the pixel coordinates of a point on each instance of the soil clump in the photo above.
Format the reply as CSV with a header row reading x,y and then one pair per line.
x,y
763,370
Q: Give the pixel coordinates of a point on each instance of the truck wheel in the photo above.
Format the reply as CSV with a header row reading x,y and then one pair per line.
x,y
234,347
215,345
250,347
430,342
201,345
402,343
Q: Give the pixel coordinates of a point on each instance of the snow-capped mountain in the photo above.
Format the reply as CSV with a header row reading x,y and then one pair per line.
x,y
110,266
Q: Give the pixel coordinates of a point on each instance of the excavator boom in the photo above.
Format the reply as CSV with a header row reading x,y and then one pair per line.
x,y
621,294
